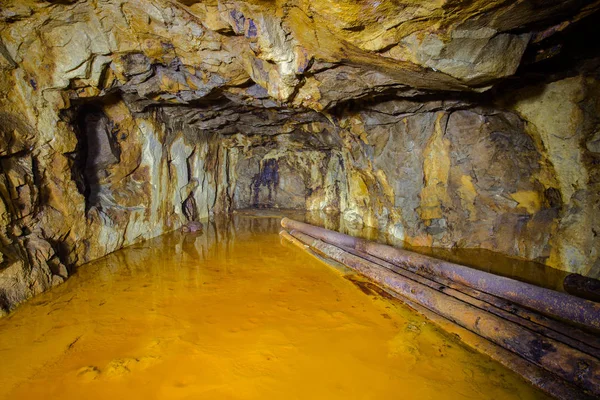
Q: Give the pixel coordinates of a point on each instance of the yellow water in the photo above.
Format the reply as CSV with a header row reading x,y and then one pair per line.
x,y
232,313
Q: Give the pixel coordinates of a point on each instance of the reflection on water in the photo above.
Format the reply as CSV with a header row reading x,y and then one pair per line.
x,y
485,260
232,313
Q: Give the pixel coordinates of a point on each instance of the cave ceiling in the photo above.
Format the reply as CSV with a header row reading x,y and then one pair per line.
x,y
469,124
235,57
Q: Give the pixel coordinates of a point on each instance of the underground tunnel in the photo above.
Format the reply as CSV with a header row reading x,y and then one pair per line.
x,y
290,199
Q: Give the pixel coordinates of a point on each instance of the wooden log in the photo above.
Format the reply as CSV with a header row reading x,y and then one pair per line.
x,y
569,364
536,376
293,240
587,342
582,286
584,341
549,302
471,297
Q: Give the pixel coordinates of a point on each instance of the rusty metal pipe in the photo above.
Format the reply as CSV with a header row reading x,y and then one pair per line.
x,y
284,234
568,334
466,295
549,302
588,342
538,377
570,364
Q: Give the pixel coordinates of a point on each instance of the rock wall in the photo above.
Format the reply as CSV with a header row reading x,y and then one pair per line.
x,y
563,118
518,178
122,120
286,173
125,179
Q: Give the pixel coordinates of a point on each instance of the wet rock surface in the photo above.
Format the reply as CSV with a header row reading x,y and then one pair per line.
x,y
122,120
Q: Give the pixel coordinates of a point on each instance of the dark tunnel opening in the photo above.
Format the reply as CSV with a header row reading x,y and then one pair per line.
x,y
97,150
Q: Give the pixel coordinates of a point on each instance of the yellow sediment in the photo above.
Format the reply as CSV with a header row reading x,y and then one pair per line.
x,y
231,313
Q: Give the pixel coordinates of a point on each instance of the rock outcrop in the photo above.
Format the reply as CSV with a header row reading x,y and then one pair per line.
x,y
121,120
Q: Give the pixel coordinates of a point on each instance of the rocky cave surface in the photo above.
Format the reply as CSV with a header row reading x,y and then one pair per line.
x,y
470,124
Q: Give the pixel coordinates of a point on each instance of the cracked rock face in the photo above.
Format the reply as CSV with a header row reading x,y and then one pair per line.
x,y
121,120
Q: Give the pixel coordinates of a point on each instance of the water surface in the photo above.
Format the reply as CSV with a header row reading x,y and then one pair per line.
x,y
232,313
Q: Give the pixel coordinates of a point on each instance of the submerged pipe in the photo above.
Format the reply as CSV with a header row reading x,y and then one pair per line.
x,y
569,364
546,301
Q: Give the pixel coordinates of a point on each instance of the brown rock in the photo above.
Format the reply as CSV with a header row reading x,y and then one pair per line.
x,y
122,121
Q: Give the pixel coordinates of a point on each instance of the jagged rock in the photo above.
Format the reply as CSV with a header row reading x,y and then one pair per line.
x,y
122,120
562,119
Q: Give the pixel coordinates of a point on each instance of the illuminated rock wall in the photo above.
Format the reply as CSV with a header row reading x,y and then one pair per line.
x,y
123,120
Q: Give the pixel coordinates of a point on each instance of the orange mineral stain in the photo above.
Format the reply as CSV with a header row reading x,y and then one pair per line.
x,y
233,313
